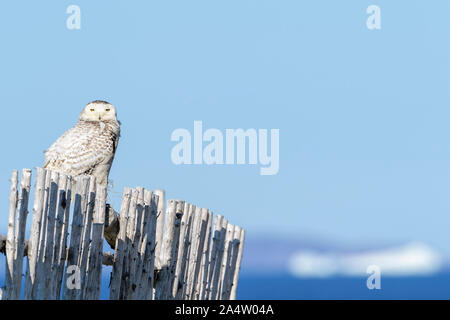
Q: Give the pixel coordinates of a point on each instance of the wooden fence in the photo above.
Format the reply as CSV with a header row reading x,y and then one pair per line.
x,y
182,252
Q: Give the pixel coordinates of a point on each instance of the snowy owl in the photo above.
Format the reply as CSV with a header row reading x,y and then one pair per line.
x,y
88,147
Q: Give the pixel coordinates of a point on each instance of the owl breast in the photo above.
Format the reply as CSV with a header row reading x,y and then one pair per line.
x,y
87,148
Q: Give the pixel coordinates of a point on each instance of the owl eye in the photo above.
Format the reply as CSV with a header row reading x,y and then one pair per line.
x,y
108,110
92,110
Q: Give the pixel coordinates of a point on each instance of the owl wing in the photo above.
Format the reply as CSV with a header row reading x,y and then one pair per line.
x,y
79,150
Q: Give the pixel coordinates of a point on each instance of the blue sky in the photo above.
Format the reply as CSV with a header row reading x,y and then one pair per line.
x,y
363,115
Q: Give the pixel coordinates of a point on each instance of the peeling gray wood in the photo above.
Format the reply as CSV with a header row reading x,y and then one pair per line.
x,y
116,275
238,266
11,238
169,250
159,226
33,247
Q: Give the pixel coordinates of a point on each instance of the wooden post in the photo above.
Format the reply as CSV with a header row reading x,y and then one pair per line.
x,y
213,254
43,231
40,268
94,267
224,284
187,257
129,242
59,220
136,250
86,240
159,226
232,257
22,211
203,279
191,254
81,194
217,265
238,266
201,261
183,253
31,280
10,239
169,250
137,253
196,252
48,247
64,204
116,275
148,247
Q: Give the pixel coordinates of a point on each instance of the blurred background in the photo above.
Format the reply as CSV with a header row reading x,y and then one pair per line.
x,y
363,118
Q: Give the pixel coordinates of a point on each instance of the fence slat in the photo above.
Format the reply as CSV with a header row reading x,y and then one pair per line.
x,y
183,252
196,251
22,212
193,224
160,226
33,244
201,252
169,250
203,279
10,239
223,283
65,204
192,254
47,260
86,240
148,247
213,254
116,275
232,257
138,250
81,194
135,241
238,266
59,220
94,267
40,267
129,239
216,272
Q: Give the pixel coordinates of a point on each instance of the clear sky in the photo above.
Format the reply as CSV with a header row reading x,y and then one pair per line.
x,y
363,115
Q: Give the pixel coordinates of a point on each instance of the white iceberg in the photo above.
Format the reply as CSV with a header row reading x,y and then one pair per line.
x,y
411,259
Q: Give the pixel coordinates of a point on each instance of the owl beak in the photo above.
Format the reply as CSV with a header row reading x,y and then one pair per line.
x,y
99,118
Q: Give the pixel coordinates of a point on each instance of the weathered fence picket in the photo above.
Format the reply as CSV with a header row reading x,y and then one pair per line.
x,y
183,253
239,240
169,250
15,243
173,252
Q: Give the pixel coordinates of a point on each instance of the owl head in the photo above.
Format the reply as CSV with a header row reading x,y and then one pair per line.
x,y
99,111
